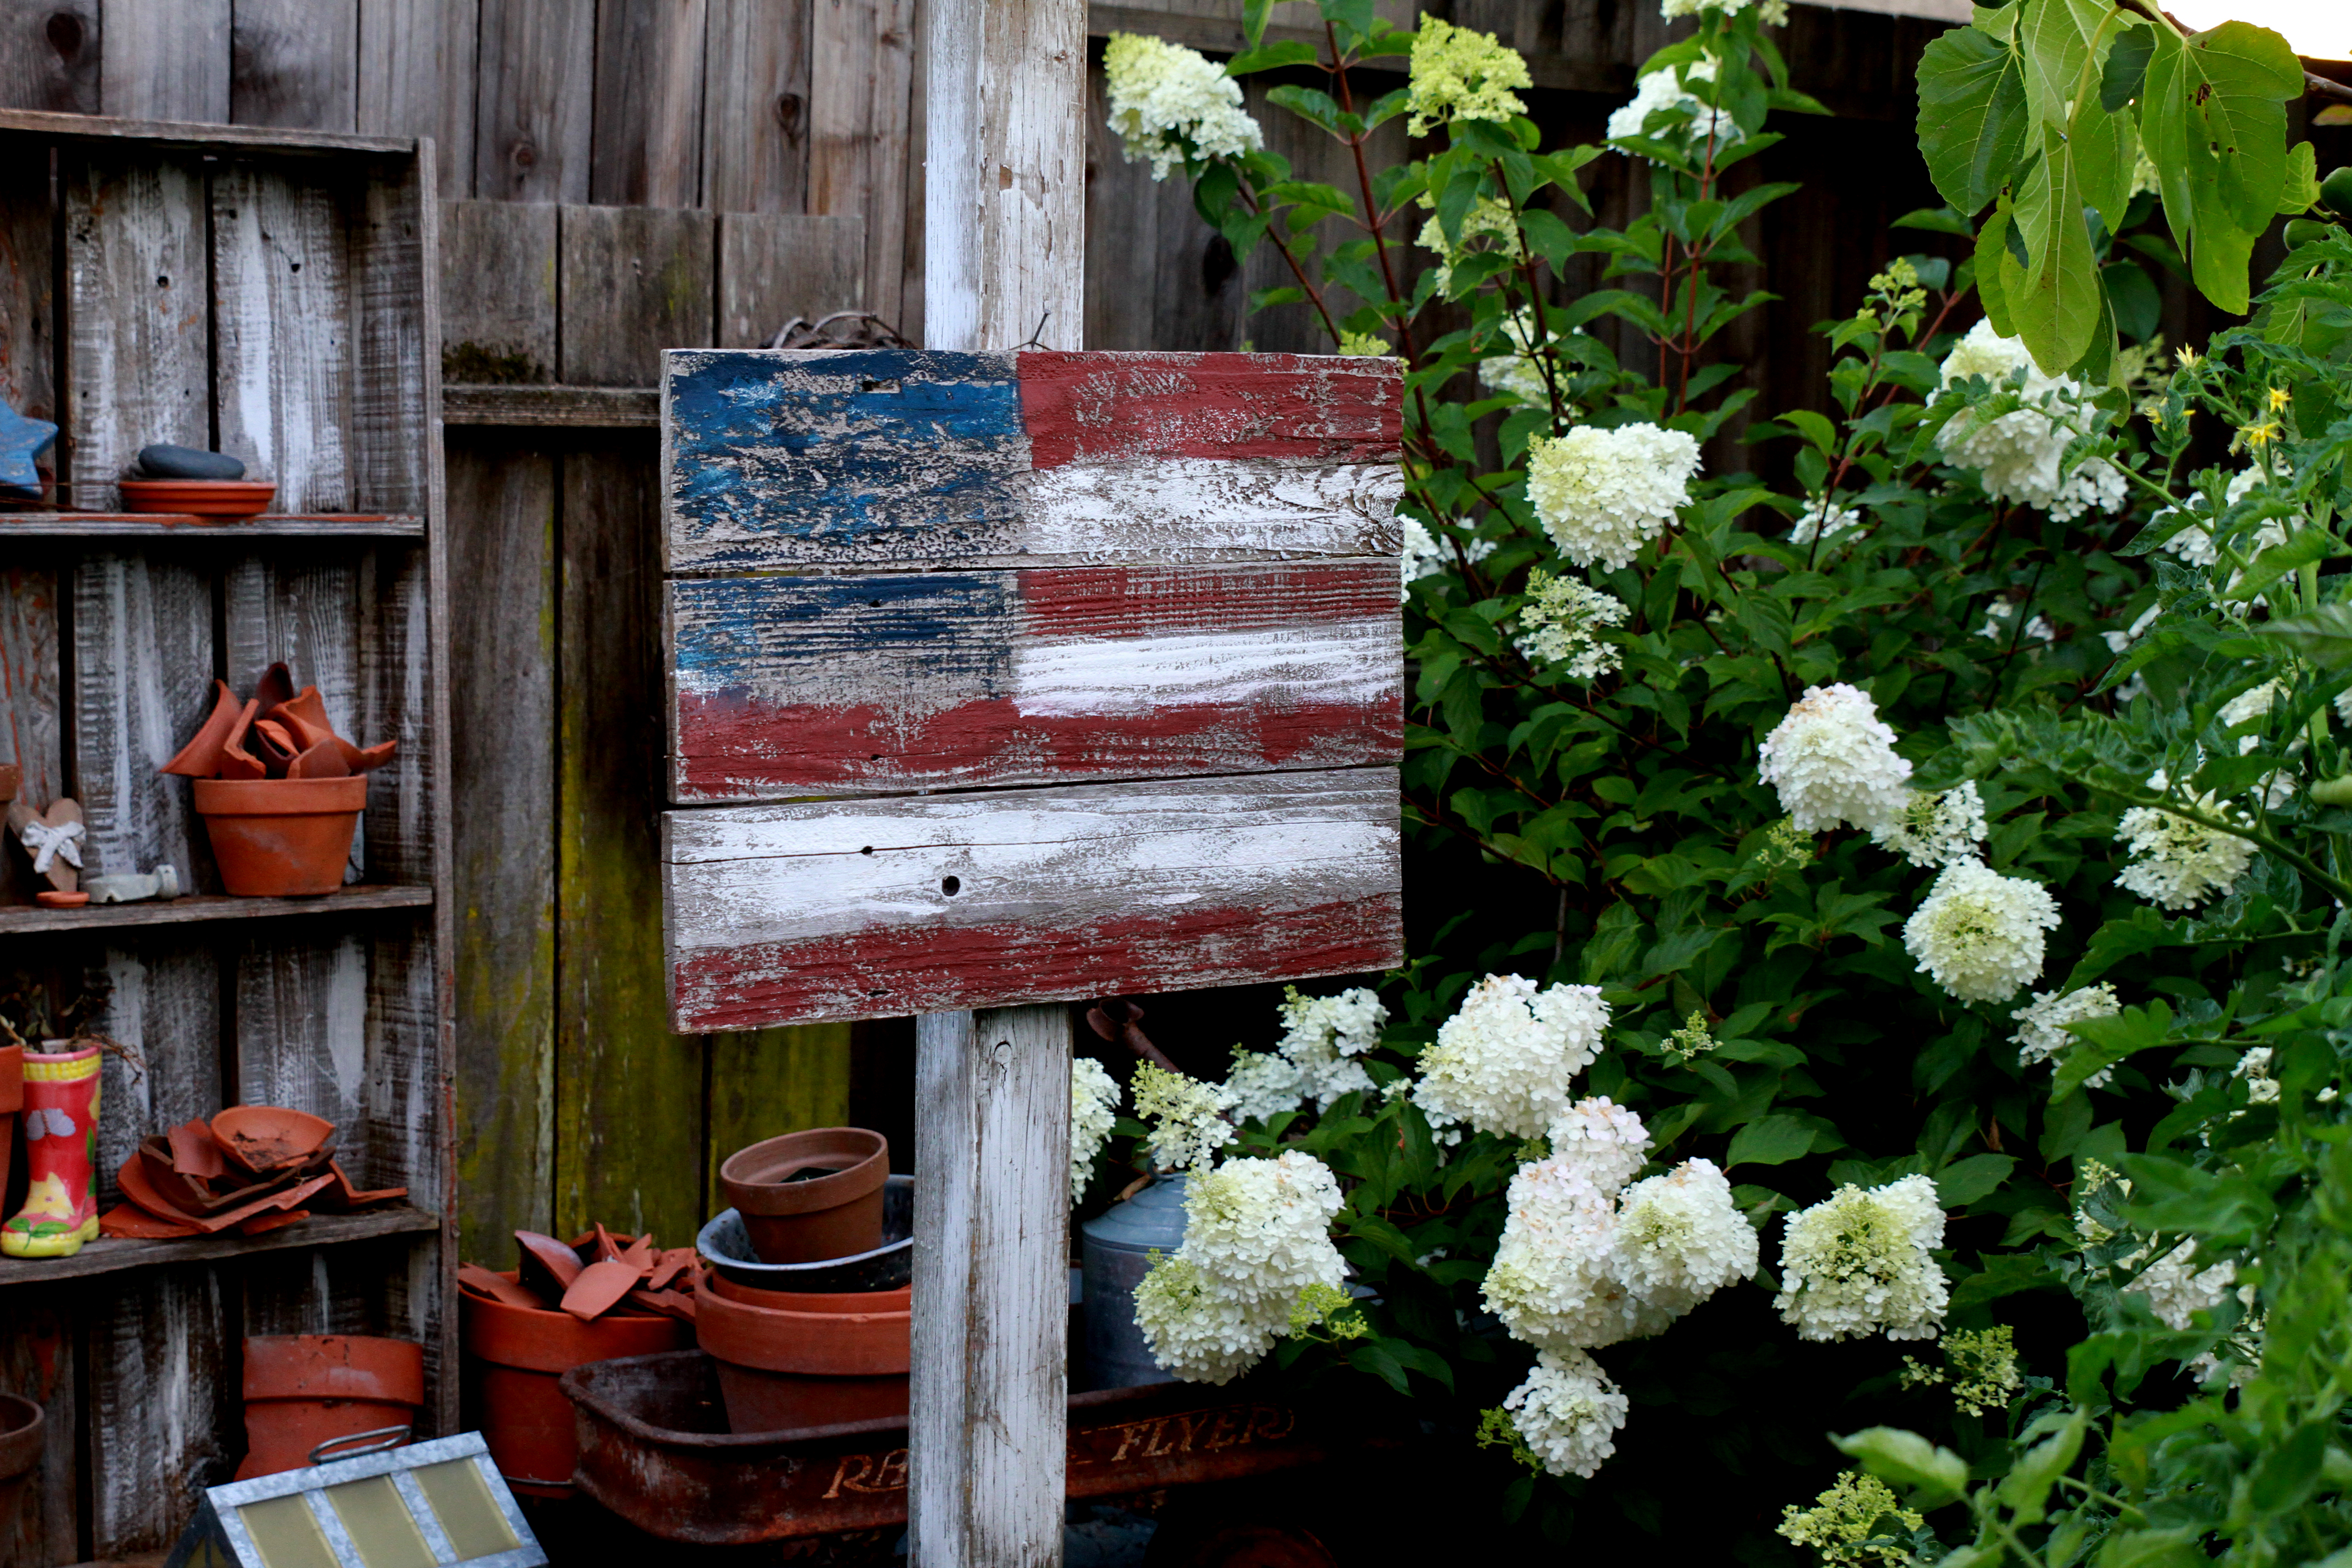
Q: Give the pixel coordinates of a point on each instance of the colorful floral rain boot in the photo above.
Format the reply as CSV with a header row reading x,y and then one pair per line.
x,y
60,1211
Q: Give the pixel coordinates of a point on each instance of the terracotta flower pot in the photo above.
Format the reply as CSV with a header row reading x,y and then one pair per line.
x,y
807,1196
281,838
24,1431
302,1390
515,1356
780,1370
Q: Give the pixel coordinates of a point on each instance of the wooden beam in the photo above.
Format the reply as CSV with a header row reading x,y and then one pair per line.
x,y
1003,264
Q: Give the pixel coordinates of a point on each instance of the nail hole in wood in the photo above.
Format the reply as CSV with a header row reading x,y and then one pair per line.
x,y
867,850
951,886
65,31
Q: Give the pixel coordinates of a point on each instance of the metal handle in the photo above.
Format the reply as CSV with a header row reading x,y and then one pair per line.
x,y
376,1442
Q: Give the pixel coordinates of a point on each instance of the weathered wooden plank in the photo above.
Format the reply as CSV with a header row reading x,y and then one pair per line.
x,y
201,137
648,149
497,264
784,914
395,374
794,686
38,1350
862,52
163,1389
31,705
138,319
909,459
204,909
283,320
410,1144
142,661
165,1004
29,306
103,1257
534,101
766,1082
755,108
166,60
502,562
633,281
295,62
1005,180
419,80
50,55
628,1095
986,1435
556,407
776,267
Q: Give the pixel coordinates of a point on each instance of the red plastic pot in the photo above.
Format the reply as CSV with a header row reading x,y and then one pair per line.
x,y
808,1197
302,1390
281,838
515,1354
779,1369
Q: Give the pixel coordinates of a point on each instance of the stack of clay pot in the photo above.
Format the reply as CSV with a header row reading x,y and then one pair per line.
x,y
252,1168
312,1397
597,1298
805,1304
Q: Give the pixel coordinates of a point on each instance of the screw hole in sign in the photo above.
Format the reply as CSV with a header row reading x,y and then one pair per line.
x,y
867,850
951,886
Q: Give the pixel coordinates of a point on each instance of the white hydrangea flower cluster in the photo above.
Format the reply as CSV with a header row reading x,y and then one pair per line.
x,y
1459,73
1187,1117
1487,218
1601,1141
1314,1059
1601,494
1425,556
1773,13
1937,830
2176,863
1557,623
1668,90
1169,103
1979,934
1825,521
2041,1024
2195,544
2173,1286
1256,1235
1569,1413
2020,456
1094,1108
1262,1085
1863,1262
1832,760
1580,1267
1503,1062
1516,373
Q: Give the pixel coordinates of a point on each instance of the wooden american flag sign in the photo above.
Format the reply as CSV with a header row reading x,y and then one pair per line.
x,y
1095,657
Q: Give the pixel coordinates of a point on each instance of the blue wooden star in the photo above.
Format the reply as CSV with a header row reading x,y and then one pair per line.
x,y
22,440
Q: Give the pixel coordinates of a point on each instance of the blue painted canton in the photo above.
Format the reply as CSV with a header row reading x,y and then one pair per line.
x,y
911,645
862,457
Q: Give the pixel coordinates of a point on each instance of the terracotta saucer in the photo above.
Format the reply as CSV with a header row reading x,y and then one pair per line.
x,y
198,498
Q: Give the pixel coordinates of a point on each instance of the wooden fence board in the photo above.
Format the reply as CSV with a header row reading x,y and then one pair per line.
x,y
50,55
859,129
636,280
647,149
38,1344
30,705
755,107
503,734
419,80
908,459
164,1004
28,303
801,913
166,60
162,1390
774,266
138,330
142,660
629,1105
534,108
295,62
498,324
282,309
886,684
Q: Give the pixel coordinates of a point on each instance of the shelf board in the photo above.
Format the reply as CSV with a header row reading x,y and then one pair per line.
x,y
24,918
115,1257
179,525
588,407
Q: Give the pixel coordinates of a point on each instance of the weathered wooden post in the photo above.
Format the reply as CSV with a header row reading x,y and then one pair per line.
x,y
1003,264
1096,656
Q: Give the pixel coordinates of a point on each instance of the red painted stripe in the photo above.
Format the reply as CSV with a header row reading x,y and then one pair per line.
x,y
1119,406
1059,603
730,747
929,968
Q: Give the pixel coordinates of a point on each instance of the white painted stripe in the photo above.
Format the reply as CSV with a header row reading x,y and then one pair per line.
x,y
1209,508
1318,663
1041,857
